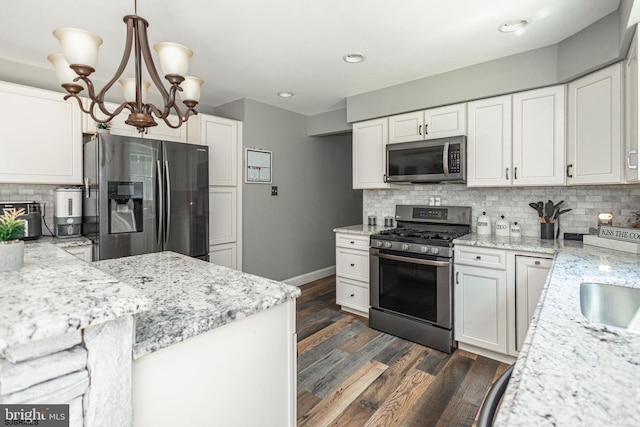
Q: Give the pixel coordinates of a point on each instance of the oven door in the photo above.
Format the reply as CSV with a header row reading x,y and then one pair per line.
x,y
412,285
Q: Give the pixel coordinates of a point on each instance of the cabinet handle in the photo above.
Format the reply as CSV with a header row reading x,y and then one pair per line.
x,y
478,257
629,159
515,172
537,263
426,129
352,242
569,175
419,129
506,174
352,295
457,277
352,265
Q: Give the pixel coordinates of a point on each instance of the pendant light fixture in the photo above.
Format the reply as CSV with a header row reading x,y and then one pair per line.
x,y
80,56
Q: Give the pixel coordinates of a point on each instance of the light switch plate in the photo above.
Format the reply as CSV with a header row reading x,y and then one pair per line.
x,y
274,190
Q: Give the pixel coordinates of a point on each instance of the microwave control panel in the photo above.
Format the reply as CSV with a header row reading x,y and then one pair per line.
x,y
454,158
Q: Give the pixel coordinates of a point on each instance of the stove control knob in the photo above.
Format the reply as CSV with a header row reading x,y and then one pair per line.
x,y
387,244
424,249
405,246
376,243
435,251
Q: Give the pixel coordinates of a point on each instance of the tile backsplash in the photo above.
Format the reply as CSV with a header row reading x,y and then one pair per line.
x,y
585,201
44,194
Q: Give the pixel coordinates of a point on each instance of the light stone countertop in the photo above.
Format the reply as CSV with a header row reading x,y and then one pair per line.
x,y
571,371
191,296
61,242
55,292
361,229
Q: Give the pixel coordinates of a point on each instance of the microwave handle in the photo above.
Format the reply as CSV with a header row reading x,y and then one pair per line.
x,y
445,158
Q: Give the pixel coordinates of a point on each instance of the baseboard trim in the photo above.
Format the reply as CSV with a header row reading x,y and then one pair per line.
x,y
310,277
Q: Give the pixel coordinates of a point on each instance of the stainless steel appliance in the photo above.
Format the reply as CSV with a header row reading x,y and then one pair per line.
x,y
411,274
32,217
67,220
435,160
144,195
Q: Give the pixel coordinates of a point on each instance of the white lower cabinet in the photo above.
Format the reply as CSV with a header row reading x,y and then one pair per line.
x,y
352,273
496,293
531,275
85,253
224,255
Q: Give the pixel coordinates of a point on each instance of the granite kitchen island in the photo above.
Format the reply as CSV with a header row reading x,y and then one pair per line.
x,y
180,338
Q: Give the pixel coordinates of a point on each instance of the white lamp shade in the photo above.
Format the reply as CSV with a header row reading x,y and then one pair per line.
x,y
174,58
129,89
64,74
191,88
79,46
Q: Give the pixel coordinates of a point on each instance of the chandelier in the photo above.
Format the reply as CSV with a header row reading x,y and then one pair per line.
x,y
80,56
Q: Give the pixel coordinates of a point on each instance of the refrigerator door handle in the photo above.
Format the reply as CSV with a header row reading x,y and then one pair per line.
x,y
159,203
168,194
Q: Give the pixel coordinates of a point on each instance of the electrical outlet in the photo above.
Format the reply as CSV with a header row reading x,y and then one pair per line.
x,y
274,190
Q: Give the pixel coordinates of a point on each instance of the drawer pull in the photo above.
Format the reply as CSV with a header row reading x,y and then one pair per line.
x,y
352,265
352,242
352,295
537,262
478,257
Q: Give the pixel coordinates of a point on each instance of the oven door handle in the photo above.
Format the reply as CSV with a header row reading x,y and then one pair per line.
x,y
413,260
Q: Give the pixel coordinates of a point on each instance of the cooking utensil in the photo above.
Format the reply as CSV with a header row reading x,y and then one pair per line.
x,y
558,204
548,210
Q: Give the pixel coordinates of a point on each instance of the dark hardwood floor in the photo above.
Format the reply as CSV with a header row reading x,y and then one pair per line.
x,y
351,375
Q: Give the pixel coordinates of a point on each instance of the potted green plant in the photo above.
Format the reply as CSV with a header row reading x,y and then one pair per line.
x,y
11,248
103,127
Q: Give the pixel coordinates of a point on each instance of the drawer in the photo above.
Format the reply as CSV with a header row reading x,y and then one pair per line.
x,y
353,264
352,294
352,241
480,257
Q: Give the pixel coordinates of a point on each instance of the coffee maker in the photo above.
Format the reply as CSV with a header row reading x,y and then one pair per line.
x,y
67,219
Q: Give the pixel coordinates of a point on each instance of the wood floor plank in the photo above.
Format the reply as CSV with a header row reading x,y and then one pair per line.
x,y
394,351
315,373
360,340
317,315
368,402
324,334
458,412
402,400
477,382
319,351
305,401
434,401
434,361
331,407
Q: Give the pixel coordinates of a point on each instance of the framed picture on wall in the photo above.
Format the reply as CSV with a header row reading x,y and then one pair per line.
x,y
258,166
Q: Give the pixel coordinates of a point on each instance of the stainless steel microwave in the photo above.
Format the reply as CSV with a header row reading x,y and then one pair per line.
x,y
436,160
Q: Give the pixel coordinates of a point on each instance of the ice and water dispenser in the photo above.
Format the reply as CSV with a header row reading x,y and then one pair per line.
x,y
125,206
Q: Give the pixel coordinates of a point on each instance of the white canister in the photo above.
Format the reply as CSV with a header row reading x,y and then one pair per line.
x,y
515,230
484,225
502,227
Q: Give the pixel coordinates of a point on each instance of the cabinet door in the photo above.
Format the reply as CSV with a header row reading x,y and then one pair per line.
x,y
531,275
224,255
222,215
353,264
406,127
631,88
353,294
445,121
221,135
166,133
480,307
369,156
594,140
538,137
40,137
489,143
85,253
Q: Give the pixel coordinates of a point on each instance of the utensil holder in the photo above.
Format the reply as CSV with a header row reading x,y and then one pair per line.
x,y
547,231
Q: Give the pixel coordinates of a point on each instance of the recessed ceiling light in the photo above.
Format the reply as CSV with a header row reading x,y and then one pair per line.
x,y
514,25
285,94
353,58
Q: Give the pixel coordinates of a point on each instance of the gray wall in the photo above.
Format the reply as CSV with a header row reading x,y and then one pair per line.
x,y
292,234
328,123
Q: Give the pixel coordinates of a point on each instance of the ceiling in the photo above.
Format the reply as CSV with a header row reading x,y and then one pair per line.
x,y
254,49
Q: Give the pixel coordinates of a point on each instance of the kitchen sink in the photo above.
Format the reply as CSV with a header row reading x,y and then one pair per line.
x,y
611,305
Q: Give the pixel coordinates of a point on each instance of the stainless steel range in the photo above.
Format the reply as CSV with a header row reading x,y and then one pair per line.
x,y
411,280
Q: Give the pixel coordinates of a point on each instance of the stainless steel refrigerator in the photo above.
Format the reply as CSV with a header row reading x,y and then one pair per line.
x,y
144,196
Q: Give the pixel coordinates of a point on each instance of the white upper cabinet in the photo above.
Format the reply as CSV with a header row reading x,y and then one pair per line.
x,y
538,137
221,136
631,88
428,124
40,137
594,146
369,153
489,142
119,127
